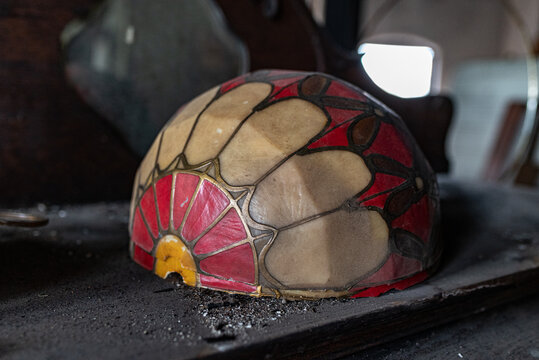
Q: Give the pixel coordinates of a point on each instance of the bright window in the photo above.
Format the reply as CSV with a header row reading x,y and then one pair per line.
x,y
401,70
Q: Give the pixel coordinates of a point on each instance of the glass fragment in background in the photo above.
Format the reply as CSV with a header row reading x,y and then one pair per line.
x,y
136,61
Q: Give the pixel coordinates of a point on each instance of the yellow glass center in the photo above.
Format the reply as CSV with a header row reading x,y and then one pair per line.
x,y
172,256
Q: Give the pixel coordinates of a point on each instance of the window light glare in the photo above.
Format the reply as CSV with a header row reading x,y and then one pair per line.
x,y
401,70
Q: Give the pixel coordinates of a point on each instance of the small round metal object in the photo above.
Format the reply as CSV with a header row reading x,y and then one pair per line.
x,y
14,218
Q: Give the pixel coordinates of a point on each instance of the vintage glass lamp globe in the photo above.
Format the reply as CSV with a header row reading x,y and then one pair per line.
x,y
286,184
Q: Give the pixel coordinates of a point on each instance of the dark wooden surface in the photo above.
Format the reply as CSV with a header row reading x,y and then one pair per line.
x,y
69,290
506,332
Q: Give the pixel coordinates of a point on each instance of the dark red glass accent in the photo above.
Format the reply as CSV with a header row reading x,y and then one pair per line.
x,y
335,137
289,91
279,84
389,143
341,90
234,83
378,201
338,116
417,219
399,285
382,183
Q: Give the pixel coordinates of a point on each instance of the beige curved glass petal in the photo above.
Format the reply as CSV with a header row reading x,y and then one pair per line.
x,y
177,131
268,137
308,185
329,252
132,204
148,163
221,118
174,134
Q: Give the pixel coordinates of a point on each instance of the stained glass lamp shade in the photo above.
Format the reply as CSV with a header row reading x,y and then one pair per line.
x,y
287,184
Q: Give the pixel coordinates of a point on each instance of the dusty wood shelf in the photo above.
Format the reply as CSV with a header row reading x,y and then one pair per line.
x,y
69,290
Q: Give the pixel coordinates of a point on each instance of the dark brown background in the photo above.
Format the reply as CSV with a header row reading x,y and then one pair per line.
x,y
53,147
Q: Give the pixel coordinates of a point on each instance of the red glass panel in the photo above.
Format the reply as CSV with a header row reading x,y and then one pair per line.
x,y
184,190
382,182
215,283
163,189
290,91
209,202
339,89
378,201
236,263
399,285
226,232
279,84
336,137
388,142
142,258
140,233
338,116
147,205
232,84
